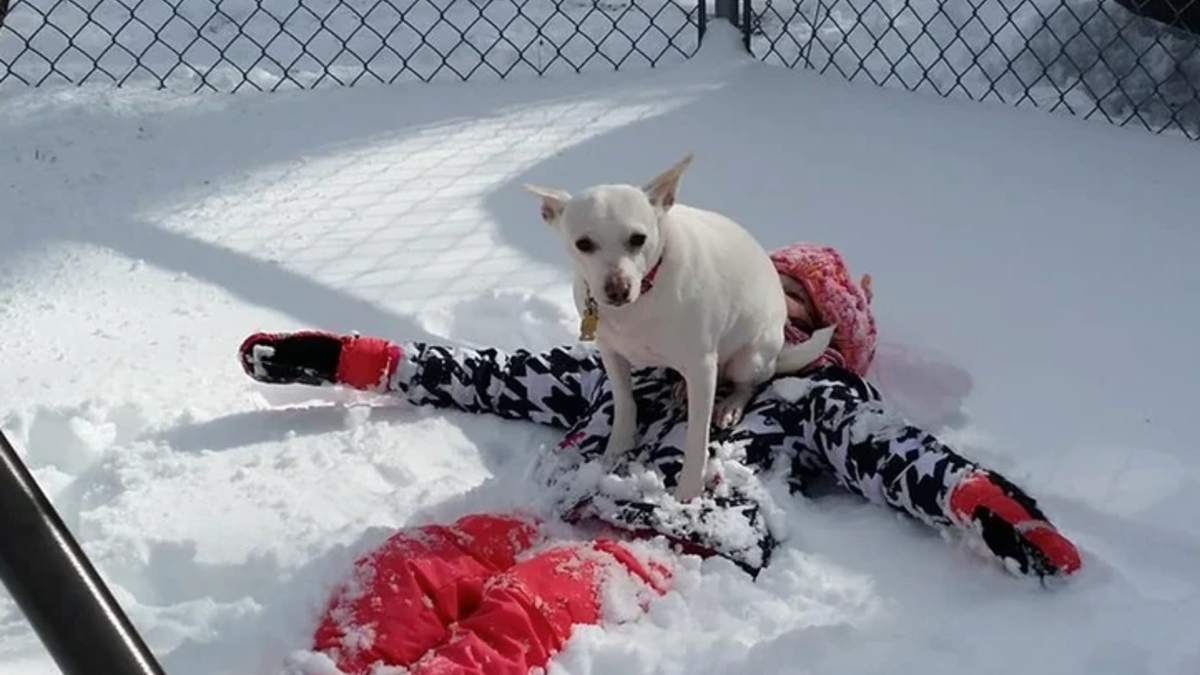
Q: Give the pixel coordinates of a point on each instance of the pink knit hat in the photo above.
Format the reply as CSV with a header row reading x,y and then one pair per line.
x,y
835,297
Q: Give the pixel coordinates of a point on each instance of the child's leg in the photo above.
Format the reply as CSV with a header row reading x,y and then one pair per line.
x,y
528,613
847,430
403,596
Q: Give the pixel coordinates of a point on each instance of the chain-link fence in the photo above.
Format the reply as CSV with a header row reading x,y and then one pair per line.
x,y
1087,57
228,45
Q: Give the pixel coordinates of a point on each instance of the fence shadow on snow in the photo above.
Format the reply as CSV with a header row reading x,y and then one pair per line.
x,y
1093,58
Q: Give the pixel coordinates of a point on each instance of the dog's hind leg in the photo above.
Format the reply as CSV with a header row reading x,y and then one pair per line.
x,y
744,371
729,410
751,366
701,389
624,423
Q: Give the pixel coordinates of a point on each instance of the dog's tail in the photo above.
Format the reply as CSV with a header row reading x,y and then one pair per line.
x,y
798,356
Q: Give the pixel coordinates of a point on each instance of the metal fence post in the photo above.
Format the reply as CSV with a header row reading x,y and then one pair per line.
x,y
747,24
726,9
55,585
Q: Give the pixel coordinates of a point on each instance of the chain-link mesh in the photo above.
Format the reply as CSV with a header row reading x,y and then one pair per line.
x,y
1088,57
227,45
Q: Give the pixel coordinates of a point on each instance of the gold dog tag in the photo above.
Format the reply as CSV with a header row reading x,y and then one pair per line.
x,y
587,325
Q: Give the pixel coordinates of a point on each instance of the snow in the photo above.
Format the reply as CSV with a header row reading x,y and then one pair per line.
x,y
1047,262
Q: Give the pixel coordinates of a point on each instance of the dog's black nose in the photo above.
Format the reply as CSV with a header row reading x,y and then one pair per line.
x,y
616,288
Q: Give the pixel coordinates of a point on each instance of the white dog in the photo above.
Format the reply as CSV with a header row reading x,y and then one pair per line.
x,y
665,284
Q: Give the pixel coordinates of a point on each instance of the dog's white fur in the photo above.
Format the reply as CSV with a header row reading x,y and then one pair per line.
x,y
716,308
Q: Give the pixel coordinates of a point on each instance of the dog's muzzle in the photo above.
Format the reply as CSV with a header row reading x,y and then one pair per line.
x,y
617,289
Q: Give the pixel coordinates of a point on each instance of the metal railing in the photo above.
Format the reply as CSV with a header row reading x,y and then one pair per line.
x,y
57,588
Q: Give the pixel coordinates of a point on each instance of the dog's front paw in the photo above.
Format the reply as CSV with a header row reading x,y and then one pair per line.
x,y
690,485
618,446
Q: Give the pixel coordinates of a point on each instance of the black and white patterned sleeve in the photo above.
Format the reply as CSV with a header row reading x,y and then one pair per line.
x,y
551,387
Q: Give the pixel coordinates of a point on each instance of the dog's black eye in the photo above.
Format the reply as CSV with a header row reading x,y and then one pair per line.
x,y
585,245
637,240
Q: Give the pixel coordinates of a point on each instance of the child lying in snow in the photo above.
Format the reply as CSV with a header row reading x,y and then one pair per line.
x,y
827,421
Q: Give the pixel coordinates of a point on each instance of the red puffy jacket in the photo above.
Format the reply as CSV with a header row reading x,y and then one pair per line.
x,y
481,596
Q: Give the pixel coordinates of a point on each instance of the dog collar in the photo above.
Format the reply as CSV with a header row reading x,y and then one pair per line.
x,y
648,280
591,313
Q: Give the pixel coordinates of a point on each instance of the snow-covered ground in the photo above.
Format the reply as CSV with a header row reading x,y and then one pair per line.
x,y
145,233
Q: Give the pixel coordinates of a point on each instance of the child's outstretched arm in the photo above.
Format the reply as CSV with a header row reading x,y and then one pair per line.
x,y
551,387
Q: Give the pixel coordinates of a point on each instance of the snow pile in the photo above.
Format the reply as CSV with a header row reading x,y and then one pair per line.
x,y
146,233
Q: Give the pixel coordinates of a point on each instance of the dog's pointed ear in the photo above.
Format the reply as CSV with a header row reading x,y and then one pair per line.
x,y
662,189
553,201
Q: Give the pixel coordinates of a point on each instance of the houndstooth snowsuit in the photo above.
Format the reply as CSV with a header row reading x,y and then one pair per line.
x,y
824,422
